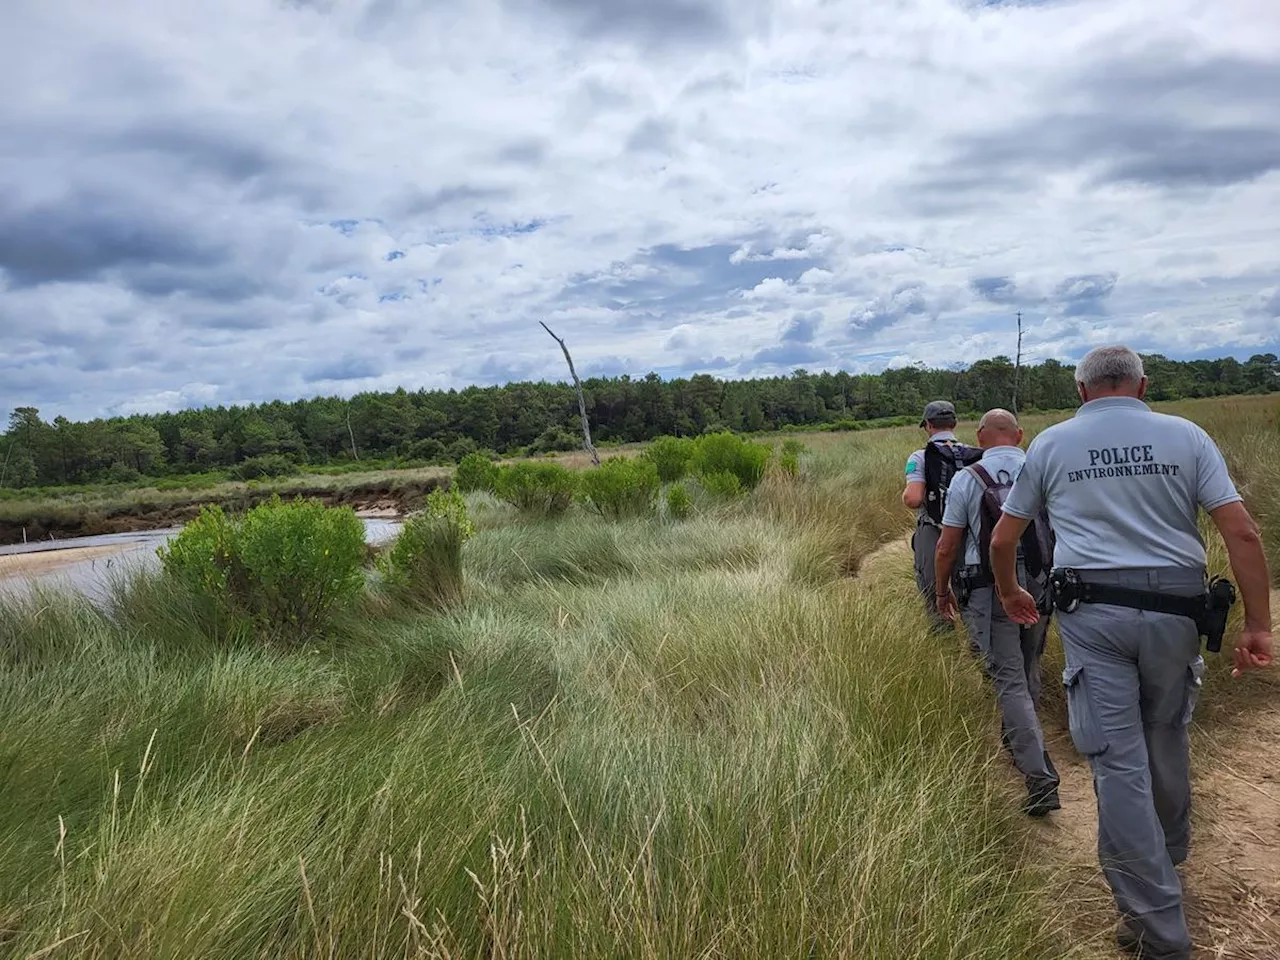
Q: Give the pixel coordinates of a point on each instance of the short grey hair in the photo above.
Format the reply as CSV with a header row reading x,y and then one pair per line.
x,y
1109,367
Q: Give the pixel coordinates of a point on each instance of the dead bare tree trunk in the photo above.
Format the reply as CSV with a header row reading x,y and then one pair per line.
x,y
1017,365
352,434
4,471
582,402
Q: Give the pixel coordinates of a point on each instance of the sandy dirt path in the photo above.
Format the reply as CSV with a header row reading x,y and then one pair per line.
x,y
1232,879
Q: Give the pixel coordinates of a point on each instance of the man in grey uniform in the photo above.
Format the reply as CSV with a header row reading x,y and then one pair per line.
x,y
1011,651
1123,485
939,422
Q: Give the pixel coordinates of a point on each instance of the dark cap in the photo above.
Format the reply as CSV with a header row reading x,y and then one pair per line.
x,y
939,411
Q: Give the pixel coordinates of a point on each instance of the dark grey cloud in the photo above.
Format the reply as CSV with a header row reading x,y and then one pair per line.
x,y
346,368
1267,303
1154,118
1083,296
802,327
995,289
675,281
195,148
529,152
653,135
419,203
645,21
84,233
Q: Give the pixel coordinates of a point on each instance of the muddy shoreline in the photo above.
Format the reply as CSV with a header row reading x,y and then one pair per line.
x,y
52,519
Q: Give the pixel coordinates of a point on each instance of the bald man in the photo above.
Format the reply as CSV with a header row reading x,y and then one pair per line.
x,y
1010,652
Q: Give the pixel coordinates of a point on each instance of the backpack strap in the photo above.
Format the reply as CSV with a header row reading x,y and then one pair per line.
x,y
980,472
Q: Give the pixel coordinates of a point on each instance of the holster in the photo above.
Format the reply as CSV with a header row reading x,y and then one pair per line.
x,y
1221,595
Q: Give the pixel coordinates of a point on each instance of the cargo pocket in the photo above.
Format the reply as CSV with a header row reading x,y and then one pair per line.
x,y
1195,680
1086,732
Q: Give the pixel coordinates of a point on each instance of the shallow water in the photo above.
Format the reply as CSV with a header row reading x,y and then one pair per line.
x,y
92,576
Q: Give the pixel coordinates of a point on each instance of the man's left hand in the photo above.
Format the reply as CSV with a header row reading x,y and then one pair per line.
x,y
1021,607
947,605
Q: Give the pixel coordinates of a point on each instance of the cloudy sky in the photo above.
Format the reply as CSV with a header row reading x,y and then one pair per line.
x,y
235,201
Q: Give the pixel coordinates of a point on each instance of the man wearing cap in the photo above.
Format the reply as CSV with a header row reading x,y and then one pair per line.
x,y
1123,486
939,422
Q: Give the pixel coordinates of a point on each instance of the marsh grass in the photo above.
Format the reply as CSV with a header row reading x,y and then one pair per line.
x,y
634,739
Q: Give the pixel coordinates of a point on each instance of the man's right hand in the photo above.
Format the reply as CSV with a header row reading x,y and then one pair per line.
x,y
1021,607
1253,651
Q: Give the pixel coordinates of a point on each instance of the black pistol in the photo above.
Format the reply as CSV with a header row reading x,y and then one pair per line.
x,y
1218,601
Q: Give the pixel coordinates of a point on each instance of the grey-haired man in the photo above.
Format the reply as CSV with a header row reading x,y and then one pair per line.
x,y
1123,486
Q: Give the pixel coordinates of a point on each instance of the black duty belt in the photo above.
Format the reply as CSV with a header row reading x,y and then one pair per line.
x,y
1191,607
1208,609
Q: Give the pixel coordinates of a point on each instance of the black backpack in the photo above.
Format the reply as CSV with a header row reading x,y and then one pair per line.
x,y
943,459
1037,541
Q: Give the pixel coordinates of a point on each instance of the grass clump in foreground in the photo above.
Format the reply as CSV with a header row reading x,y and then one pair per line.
x,y
636,739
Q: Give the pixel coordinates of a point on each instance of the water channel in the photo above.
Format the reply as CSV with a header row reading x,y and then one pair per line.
x,y
88,565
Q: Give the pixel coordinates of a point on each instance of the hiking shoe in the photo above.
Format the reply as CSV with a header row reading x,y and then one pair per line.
x,y
1042,800
1141,947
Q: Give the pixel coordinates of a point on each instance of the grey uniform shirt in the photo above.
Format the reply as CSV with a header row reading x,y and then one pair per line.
x,y
964,496
915,465
1122,485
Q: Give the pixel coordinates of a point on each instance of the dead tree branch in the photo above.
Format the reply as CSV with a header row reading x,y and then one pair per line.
x,y
1017,365
582,402
352,434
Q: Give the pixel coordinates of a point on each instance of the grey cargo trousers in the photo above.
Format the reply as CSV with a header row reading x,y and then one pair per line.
x,y
1012,657
924,544
1132,679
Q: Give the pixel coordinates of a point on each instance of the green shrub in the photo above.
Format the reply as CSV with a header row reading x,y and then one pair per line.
x,y
726,453
424,562
542,488
722,483
286,567
555,440
302,561
451,506
793,446
679,503
266,466
475,472
203,554
622,487
671,456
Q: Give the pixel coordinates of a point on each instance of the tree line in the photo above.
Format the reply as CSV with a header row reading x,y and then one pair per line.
x,y
442,426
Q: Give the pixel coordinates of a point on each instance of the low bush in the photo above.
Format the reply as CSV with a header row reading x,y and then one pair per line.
x,y
671,456
721,484
475,472
546,489
451,506
202,555
622,487
719,453
679,502
264,467
286,567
